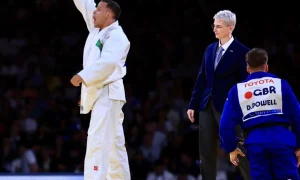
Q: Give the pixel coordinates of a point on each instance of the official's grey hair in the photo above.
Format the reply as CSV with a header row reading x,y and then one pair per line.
x,y
227,16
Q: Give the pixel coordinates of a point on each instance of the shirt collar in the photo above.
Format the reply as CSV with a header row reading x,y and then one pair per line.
x,y
227,44
113,25
260,74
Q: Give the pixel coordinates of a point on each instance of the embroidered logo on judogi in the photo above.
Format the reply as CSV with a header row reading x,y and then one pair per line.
x,y
95,168
99,45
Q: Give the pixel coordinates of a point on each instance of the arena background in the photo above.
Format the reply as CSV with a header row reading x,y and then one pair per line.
x,y
41,47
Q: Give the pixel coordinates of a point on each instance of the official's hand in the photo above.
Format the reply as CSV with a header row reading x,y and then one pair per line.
x,y
298,157
190,114
233,156
76,80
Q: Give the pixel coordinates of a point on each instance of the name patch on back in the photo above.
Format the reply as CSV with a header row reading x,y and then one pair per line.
x,y
260,97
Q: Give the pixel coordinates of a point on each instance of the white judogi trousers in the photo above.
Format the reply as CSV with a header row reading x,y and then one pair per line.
x,y
106,156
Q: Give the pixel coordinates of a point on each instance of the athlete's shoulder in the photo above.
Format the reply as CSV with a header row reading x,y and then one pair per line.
x,y
285,84
233,91
119,34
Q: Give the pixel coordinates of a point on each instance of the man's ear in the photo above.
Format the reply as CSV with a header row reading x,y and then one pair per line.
x,y
248,70
108,14
231,28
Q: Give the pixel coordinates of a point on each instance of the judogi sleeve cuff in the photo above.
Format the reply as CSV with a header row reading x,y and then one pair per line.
x,y
85,76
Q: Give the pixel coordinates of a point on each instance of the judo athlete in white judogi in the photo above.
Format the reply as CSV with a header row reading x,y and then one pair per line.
x,y
102,91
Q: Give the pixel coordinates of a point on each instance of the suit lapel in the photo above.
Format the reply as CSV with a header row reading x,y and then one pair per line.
x,y
211,61
228,54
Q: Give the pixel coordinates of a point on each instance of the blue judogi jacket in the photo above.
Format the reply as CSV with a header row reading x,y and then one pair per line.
x,y
262,98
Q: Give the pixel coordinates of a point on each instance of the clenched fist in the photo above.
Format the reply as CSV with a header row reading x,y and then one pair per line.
x,y
298,157
76,80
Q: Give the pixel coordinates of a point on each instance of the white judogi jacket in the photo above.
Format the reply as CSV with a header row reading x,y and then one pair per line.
x,y
104,58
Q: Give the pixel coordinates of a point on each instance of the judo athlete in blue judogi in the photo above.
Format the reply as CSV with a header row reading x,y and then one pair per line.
x,y
265,107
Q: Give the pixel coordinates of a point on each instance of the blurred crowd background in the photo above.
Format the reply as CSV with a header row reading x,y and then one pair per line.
x,y
41,48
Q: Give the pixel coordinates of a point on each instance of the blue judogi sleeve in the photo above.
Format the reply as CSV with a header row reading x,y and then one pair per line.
x,y
294,109
231,117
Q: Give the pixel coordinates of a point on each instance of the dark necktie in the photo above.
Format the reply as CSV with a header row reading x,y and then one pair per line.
x,y
219,55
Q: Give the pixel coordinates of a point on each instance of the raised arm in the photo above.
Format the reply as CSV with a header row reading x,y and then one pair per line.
x,y
86,8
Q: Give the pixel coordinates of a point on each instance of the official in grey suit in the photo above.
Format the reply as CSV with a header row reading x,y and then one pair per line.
x,y
223,65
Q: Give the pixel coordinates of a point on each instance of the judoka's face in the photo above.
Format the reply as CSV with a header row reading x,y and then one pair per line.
x,y
101,14
221,29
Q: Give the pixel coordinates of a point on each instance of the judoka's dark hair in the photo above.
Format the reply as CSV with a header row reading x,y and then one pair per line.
x,y
256,58
114,7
